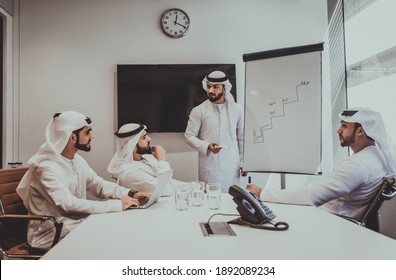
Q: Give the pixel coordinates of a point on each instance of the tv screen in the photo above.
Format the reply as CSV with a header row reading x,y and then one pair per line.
x,y
161,96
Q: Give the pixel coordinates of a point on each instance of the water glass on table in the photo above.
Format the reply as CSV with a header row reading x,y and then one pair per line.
x,y
197,193
182,196
213,191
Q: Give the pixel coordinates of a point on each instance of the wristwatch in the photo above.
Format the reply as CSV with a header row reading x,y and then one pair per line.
x,y
131,193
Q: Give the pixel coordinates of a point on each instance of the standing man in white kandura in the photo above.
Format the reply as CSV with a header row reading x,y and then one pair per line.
x,y
215,130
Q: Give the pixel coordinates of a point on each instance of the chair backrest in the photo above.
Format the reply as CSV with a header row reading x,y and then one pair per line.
x,y
14,219
386,191
10,202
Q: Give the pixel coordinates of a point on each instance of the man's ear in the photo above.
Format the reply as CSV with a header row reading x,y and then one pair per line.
x,y
73,138
360,131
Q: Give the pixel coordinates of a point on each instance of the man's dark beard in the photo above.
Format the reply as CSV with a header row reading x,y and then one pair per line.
x,y
215,98
348,143
82,147
143,150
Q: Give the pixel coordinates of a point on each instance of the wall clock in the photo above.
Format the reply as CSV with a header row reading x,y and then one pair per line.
x,y
175,23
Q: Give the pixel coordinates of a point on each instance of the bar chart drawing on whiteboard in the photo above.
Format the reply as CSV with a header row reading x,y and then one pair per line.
x,y
258,135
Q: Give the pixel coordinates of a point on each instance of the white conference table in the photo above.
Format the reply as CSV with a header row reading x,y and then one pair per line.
x,y
163,233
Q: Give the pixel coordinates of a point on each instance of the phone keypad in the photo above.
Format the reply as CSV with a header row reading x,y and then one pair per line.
x,y
268,212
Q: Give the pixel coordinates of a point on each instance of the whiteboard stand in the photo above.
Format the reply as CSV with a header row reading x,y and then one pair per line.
x,y
283,181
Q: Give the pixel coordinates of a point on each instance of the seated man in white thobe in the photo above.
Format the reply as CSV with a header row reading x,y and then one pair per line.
x,y
136,164
349,189
58,179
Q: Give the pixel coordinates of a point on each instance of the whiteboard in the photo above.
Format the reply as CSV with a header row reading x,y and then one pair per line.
x,y
282,132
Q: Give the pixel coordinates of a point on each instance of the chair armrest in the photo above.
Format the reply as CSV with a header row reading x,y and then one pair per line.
x,y
389,191
58,225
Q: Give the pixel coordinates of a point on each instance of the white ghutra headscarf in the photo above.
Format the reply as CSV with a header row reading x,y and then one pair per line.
x,y
374,127
127,138
218,77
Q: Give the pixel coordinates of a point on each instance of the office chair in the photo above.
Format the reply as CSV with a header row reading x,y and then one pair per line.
x,y
386,191
14,219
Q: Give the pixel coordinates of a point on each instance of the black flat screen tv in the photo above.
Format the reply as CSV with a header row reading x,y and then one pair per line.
x,y
161,96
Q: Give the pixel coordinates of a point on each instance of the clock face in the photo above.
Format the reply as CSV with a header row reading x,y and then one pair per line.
x,y
175,23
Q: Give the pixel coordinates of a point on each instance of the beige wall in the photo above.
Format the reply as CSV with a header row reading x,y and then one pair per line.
x,y
68,52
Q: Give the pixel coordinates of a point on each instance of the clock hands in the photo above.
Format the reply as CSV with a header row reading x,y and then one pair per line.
x,y
181,25
177,23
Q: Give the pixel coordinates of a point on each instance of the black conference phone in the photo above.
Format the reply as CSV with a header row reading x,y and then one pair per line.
x,y
252,210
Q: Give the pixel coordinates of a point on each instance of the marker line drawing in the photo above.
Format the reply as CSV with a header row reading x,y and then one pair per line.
x,y
258,137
